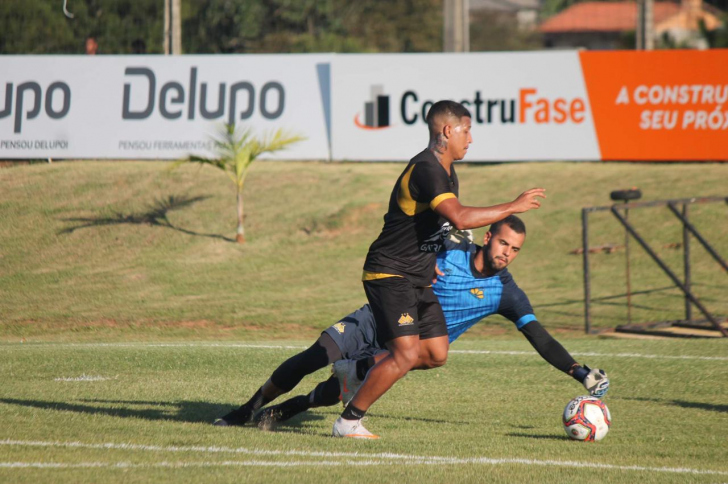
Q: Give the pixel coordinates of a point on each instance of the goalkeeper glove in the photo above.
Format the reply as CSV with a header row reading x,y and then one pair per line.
x,y
595,381
458,236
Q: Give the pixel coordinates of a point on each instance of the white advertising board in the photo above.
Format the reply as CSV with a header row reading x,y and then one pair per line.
x,y
151,107
524,106
369,107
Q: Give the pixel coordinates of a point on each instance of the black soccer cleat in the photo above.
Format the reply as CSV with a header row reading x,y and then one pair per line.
x,y
236,418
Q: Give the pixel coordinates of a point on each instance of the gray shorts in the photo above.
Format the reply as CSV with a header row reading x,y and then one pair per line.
x,y
356,334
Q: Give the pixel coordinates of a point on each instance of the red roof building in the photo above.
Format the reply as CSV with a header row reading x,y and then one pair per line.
x,y
608,25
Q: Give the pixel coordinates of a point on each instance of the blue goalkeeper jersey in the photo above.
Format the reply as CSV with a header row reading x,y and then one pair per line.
x,y
467,297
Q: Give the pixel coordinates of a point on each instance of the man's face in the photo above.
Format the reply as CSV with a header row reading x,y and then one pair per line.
x,y
460,138
502,248
91,46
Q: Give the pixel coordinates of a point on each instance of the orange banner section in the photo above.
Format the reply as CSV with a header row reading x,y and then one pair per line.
x,y
659,105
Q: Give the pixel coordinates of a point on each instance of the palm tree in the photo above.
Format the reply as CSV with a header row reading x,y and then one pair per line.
x,y
236,150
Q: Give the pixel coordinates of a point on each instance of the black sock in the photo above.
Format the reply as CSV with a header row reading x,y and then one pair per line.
x,y
353,413
325,394
363,366
286,410
301,402
257,401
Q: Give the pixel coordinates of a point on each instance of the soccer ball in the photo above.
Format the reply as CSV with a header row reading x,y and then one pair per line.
x,y
587,419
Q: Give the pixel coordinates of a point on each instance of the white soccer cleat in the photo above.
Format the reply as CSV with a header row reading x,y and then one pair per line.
x,y
349,383
352,429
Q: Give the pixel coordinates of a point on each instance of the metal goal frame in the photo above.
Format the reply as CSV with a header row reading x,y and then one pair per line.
x,y
679,208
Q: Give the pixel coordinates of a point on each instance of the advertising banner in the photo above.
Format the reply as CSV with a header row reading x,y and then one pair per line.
x,y
562,105
659,105
524,106
152,107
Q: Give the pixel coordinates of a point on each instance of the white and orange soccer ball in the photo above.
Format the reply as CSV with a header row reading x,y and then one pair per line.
x,y
587,419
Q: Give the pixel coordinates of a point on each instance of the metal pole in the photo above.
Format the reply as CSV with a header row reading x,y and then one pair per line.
x,y
686,262
176,27
587,284
701,239
456,26
649,25
629,282
167,23
661,203
669,273
172,27
448,26
640,30
466,25
645,25
166,27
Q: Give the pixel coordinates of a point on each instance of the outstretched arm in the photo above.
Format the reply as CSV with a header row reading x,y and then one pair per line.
x,y
549,349
595,381
463,218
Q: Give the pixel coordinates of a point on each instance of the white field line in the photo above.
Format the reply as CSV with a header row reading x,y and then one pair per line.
x,y
293,347
361,459
149,345
605,355
249,463
83,377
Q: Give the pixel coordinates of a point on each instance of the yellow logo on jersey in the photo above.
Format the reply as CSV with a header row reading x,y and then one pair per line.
x,y
477,293
405,320
340,327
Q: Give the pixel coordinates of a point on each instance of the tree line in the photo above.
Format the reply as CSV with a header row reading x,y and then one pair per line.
x,y
222,26
262,26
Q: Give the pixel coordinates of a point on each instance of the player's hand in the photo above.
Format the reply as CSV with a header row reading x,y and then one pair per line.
x,y
438,272
596,382
462,235
528,200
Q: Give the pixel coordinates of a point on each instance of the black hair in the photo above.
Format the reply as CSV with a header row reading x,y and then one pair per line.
x,y
515,223
448,108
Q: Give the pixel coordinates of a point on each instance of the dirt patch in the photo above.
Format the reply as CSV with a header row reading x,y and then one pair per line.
x,y
11,164
346,221
113,330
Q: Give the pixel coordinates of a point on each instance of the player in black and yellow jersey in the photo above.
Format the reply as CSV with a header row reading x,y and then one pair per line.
x,y
400,264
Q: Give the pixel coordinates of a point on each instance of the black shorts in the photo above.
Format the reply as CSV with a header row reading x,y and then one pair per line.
x,y
403,309
356,334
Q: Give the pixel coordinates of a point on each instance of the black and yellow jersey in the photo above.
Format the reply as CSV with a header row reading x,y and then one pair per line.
x,y
413,232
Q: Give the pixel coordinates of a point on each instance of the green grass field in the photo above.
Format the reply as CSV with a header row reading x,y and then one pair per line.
x,y
125,250
129,320
140,412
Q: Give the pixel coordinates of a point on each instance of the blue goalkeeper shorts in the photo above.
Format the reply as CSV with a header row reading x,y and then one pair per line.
x,y
356,334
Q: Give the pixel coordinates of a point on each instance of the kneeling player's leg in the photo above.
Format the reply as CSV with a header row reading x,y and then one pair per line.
x,y
322,353
325,394
291,372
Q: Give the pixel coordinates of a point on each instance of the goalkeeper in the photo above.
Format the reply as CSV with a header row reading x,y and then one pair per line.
x,y
472,283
